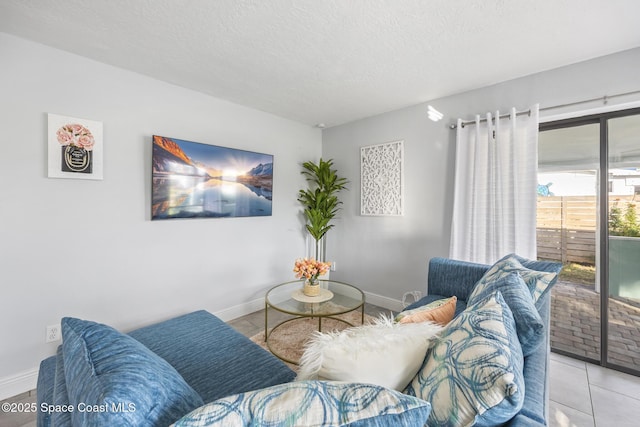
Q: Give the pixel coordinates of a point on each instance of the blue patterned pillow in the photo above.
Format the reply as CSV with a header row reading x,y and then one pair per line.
x,y
474,372
112,379
538,282
312,403
529,324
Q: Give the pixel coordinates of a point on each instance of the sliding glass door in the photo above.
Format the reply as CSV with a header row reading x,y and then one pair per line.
x,y
567,224
589,219
623,314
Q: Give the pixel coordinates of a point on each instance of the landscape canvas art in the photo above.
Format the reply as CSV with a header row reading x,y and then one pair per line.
x,y
195,180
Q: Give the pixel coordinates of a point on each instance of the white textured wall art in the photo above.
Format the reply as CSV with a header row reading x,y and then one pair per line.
x,y
382,179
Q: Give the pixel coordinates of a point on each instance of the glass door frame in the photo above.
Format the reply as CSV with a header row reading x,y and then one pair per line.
x,y
602,266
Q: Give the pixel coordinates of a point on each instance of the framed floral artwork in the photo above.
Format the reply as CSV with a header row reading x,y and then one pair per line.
x,y
75,147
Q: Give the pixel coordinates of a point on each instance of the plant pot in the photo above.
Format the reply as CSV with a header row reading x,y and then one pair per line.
x,y
311,288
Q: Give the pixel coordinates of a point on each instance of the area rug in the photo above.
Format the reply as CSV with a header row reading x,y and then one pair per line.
x,y
289,339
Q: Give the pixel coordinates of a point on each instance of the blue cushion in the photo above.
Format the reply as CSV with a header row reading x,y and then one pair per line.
x,y
536,372
450,277
539,282
521,420
60,395
211,356
474,372
313,403
529,324
44,389
129,384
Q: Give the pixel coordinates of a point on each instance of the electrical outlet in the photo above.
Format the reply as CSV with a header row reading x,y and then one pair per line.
x,y
53,333
333,266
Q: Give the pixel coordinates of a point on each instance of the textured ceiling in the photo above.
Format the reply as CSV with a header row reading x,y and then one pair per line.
x,y
329,61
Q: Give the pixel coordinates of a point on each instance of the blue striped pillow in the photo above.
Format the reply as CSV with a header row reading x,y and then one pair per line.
x,y
529,324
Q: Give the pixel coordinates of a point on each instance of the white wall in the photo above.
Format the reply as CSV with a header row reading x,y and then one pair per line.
x,y
388,256
88,248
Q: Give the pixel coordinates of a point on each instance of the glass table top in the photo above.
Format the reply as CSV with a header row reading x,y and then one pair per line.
x,y
345,298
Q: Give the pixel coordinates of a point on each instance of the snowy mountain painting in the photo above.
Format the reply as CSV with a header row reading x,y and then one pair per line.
x,y
194,180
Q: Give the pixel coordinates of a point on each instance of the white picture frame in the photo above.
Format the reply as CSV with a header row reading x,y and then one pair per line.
x,y
75,148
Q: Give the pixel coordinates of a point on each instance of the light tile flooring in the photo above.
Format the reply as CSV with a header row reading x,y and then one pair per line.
x,y
587,395
581,394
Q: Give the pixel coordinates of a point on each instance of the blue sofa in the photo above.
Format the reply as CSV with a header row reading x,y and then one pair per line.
x,y
206,360
213,359
447,278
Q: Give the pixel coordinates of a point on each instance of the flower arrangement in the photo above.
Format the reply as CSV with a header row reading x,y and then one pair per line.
x,y
76,135
310,269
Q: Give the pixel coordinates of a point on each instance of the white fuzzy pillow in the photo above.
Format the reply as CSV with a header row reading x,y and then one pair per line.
x,y
385,353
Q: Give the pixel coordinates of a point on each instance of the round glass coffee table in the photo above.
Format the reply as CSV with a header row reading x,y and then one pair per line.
x,y
336,298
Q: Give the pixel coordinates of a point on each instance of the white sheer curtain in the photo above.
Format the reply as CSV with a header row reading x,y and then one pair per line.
x,y
494,210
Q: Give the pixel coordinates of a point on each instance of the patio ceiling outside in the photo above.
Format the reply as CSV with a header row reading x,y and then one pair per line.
x,y
577,149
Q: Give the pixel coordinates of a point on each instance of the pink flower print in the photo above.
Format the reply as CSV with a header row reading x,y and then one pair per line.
x,y
77,135
64,136
77,129
86,142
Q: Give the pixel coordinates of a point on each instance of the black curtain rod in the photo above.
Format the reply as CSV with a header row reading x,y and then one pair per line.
x,y
605,99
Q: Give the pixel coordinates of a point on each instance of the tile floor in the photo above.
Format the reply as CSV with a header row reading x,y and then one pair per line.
x,y
581,394
586,395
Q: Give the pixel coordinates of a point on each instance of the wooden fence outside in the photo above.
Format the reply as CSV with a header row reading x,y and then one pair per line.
x,y
566,227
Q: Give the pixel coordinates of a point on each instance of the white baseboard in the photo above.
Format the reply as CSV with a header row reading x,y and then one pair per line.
x,y
382,301
240,310
18,384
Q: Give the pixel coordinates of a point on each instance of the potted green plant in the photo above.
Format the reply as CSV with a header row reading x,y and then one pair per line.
x,y
320,200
